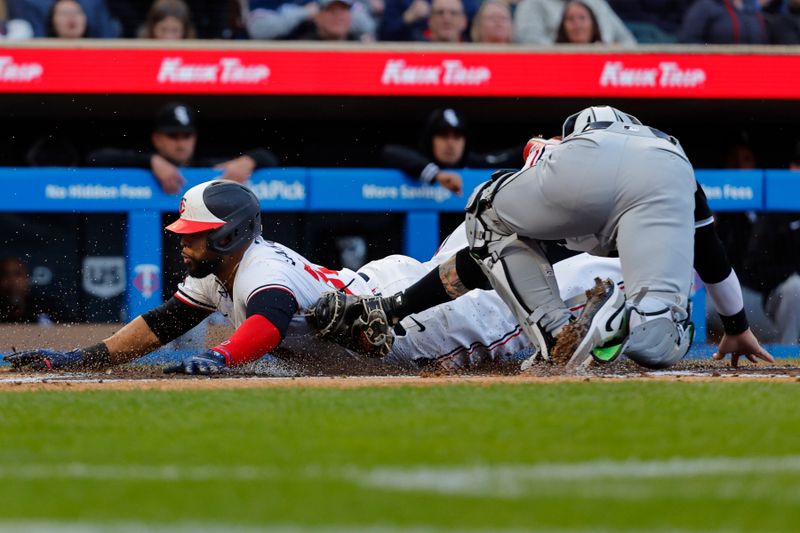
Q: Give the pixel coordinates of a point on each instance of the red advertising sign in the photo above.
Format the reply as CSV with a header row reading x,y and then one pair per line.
x,y
406,72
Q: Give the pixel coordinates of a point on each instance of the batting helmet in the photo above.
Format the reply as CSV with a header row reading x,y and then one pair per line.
x,y
229,209
599,113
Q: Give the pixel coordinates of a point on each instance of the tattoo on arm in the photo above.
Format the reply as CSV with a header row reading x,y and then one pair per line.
x,y
450,281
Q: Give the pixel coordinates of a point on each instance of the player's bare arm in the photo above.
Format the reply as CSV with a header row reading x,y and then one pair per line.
x,y
167,174
452,284
132,341
238,169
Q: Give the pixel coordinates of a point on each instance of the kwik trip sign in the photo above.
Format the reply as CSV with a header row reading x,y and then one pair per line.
x,y
227,70
377,72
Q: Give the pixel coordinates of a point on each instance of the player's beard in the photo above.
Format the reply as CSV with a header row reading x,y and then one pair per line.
x,y
200,268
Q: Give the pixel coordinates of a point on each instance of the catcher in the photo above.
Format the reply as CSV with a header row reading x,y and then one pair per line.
x,y
603,328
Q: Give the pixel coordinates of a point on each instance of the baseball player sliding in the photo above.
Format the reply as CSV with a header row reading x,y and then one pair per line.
x,y
613,185
265,290
258,285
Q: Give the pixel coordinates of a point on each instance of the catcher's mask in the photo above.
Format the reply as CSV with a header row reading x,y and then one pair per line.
x,y
600,113
229,209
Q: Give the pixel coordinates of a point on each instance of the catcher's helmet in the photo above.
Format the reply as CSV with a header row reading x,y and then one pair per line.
x,y
228,208
599,113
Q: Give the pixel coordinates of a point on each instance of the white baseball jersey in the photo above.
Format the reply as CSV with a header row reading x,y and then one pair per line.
x,y
269,265
474,326
477,325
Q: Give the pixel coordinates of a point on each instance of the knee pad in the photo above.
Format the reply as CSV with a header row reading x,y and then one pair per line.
x,y
656,343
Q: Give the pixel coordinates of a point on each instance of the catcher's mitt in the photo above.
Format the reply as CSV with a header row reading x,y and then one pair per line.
x,y
356,322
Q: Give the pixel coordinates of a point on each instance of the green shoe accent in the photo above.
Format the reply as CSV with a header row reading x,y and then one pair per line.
x,y
606,354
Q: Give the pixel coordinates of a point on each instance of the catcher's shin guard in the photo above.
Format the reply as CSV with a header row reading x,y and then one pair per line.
x,y
490,245
656,339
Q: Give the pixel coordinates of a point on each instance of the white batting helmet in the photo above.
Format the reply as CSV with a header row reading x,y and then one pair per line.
x,y
599,113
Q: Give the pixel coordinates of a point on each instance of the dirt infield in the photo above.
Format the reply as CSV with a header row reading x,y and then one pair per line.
x,y
151,378
337,371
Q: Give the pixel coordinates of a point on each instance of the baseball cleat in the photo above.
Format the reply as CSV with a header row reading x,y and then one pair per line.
x,y
601,322
543,339
607,354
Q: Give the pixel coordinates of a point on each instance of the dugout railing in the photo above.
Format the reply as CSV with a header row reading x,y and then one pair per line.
x,y
136,194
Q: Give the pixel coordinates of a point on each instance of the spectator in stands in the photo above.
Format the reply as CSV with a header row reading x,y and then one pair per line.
x,y
174,140
784,27
16,299
537,22
275,19
447,22
651,21
280,19
211,19
773,260
169,19
39,14
13,29
723,22
67,20
332,22
218,19
407,20
492,23
578,25
443,145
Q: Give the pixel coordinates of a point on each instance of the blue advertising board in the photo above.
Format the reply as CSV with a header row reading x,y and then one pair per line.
x,y
782,190
136,193
733,190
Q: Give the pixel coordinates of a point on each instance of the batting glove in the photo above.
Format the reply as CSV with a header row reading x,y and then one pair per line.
x,y
41,359
209,362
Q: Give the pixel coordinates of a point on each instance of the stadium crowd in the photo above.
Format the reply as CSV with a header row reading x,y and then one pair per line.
x,y
538,22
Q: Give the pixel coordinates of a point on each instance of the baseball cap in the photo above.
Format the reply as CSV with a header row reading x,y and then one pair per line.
x,y
176,117
325,3
446,120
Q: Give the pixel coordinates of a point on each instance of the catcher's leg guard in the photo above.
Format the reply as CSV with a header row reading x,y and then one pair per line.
x,y
659,337
517,269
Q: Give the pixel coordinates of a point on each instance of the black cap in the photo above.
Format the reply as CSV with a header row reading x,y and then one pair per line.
x,y
176,117
448,119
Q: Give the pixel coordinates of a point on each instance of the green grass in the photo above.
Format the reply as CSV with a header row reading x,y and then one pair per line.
x,y
315,457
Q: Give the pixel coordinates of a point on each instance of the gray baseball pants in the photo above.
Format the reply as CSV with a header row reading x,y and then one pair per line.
x,y
616,189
